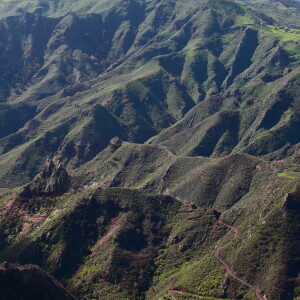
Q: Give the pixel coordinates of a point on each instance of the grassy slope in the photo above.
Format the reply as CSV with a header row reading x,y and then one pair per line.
x,y
146,94
102,227
146,88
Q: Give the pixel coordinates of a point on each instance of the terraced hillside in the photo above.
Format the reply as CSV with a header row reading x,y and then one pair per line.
x,y
150,149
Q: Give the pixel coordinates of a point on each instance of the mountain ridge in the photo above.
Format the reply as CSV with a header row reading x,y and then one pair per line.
x,y
150,149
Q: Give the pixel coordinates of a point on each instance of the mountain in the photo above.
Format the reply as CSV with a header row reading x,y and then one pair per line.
x,y
150,149
29,282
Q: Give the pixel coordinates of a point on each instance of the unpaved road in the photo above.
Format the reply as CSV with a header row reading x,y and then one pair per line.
x,y
233,273
233,229
230,271
173,293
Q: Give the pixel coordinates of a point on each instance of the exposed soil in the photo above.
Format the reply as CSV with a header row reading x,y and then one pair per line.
x,y
233,229
114,226
230,270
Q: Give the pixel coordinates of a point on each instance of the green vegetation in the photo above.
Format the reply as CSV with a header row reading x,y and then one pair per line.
x,y
178,124
285,33
286,175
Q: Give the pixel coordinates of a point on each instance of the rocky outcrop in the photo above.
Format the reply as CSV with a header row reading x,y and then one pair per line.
x,y
53,180
29,282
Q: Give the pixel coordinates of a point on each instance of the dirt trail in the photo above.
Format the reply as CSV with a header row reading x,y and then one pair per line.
x,y
114,226
233,229
233,273
230,271
173,293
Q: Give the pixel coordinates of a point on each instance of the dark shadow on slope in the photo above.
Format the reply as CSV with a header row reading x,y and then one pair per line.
x,y
274,114
243,55
228,124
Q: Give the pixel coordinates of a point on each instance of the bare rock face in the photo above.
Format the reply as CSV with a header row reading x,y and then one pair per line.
x,y
29,282
53,180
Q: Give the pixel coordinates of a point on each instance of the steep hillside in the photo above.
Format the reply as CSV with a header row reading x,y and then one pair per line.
x,y
108,243
133,69
29,282
149,149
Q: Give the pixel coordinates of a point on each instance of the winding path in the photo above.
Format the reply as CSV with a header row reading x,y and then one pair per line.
x,y
233,229
173,293
233,273
230,271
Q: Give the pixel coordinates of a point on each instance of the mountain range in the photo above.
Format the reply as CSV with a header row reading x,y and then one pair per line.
x,y
149,149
